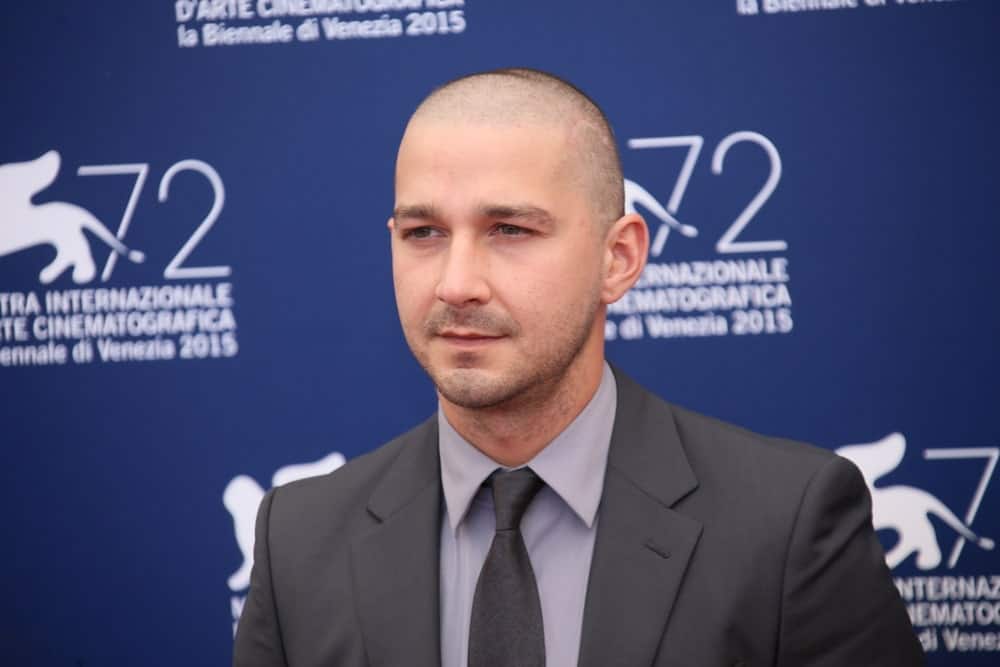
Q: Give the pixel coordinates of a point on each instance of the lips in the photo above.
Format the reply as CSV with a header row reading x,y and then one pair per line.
x,y
469,324
467,338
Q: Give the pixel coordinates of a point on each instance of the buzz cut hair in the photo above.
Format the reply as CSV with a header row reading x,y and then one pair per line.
x,y
514,96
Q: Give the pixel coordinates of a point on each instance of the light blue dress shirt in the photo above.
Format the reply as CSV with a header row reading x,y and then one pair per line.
x,y
558,528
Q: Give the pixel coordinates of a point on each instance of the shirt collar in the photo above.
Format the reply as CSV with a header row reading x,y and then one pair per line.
x,y
572,465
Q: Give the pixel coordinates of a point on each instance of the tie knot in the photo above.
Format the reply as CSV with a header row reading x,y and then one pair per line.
x,y
512,493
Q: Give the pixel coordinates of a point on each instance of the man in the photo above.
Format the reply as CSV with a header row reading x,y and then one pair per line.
x,y
553,512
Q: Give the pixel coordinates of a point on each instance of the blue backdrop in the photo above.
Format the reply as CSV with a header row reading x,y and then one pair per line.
x,y
818,176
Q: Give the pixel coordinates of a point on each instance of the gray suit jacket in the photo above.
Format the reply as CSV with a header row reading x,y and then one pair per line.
x,y
715,546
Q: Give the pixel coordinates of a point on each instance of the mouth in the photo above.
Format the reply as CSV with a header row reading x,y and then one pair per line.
x,y
466,338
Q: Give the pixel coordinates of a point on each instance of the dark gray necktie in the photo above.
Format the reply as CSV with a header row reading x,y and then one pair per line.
x,y
506,628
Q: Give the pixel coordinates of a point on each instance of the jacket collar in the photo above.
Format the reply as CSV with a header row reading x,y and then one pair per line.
x,y
395,563
643,545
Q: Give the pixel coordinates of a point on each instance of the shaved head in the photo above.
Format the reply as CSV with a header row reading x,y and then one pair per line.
x,y
508,242
527,97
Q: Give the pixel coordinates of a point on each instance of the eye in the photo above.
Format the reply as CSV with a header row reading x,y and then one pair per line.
x,y
419,233
507,229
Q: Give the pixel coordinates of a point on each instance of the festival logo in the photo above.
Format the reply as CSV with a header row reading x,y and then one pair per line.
x,y
191,316
24,224
907,509
956,610
825,7
241,499
742,288
215,23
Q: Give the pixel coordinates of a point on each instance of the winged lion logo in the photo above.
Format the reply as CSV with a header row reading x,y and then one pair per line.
x,y
24,224
905,509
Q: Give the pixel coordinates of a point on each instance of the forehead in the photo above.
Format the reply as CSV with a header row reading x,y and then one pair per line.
x,y
451,159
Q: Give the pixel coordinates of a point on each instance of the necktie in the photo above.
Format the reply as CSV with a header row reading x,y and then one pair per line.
x,y
506,627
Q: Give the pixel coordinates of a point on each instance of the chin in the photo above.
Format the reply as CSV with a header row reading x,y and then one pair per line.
x,y
474,388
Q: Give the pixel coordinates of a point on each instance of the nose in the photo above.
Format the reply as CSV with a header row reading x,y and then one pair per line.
x,y
463,275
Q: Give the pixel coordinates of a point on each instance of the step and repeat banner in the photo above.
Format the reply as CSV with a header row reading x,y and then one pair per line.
x,y
196,301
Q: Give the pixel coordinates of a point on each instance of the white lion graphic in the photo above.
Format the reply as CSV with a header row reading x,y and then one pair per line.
x,y
904,509
242,498
24,224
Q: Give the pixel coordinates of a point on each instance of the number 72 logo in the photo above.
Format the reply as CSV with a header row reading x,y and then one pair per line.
x,y
727,243
174,269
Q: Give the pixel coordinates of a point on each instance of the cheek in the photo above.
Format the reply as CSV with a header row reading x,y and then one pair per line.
x,y
407,283
579,270
408,301
553,290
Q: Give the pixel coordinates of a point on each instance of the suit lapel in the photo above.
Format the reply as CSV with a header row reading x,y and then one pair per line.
x,y
642,546
395,564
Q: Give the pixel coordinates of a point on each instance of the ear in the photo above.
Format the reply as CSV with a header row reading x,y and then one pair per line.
x,y
625,252
391,225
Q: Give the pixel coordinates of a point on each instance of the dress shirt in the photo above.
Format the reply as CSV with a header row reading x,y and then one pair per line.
x,y
559,526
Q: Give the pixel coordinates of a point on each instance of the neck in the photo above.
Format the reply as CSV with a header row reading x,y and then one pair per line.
x,y
514,432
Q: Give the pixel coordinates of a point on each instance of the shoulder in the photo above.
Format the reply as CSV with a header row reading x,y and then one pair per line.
x,y
707,439
732,462
765,470
328,501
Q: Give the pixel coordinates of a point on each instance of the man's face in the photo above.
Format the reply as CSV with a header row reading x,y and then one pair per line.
x,y
497,261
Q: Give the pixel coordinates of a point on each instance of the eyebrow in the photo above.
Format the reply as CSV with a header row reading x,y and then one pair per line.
x,y
525,212
534,214
417,212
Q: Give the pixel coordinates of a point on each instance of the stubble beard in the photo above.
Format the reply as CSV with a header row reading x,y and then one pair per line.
x,y
537,374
